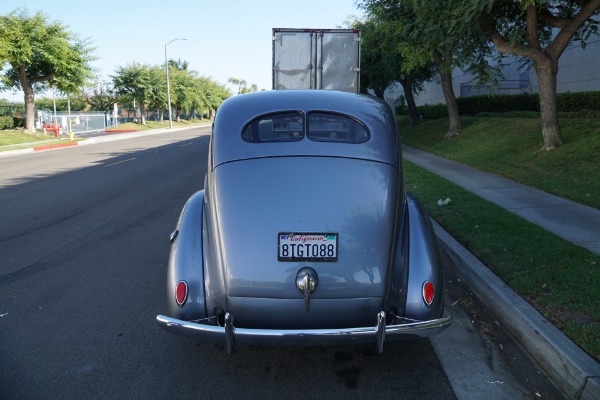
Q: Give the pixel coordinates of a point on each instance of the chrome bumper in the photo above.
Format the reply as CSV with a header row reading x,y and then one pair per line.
x,y
270,337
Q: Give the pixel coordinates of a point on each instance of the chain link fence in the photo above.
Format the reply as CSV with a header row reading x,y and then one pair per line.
x,y
77,122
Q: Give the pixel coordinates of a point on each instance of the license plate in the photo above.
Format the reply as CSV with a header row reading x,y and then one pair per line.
x,y
307,246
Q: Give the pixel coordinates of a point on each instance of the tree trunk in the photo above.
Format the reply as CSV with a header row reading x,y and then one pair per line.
x,y
143,113
451,105
410,101
30,111
546,71
29,97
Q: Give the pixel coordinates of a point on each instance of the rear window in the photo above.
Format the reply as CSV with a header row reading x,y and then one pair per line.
x,y
289,127
281,127
327,127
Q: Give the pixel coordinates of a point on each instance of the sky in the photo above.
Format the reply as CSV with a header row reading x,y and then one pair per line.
x,y
225,38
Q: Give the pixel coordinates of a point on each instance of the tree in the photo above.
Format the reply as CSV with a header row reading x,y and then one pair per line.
x,y
179,64
100,96
157,96
419,23
41,53
183,90
540,31
381,63
240,83
214,94
77,103
133,83
434,32
253,88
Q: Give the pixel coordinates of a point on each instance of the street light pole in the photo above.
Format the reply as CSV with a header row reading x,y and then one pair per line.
x,y
168,87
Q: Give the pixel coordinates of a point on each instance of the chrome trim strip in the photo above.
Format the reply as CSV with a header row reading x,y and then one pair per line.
x,y
370,334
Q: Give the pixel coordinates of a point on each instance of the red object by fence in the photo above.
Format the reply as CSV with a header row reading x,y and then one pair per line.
x,y
52,127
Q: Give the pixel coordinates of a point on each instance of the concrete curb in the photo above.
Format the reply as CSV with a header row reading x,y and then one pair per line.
x,y
9,153
571,369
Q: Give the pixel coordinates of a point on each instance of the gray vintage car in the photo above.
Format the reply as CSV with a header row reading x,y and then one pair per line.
x,y
304,233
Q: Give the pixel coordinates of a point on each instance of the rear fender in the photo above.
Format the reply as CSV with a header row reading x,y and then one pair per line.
x,y
186,262
423,263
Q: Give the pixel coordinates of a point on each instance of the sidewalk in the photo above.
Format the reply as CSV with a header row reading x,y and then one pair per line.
x,y
574,222
572,370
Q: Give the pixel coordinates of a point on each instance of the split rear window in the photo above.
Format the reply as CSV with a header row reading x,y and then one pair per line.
x,y
294,126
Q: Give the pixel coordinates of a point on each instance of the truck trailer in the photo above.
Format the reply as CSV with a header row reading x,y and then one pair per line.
x,y
316,59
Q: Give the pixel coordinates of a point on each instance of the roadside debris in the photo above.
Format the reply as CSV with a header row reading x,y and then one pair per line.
x,y
443,202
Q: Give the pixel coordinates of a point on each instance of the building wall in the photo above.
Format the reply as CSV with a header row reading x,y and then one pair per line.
x,y
578,71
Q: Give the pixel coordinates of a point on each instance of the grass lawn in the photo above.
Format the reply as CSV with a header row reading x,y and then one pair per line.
x,y
560,279
18,136
511,147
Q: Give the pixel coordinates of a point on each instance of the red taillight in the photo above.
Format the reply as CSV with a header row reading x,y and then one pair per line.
x,y
181,293
428,293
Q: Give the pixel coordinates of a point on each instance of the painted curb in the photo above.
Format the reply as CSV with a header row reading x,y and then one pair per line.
x,y
55,146
571,369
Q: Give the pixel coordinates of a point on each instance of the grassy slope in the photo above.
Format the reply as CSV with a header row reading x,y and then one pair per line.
x,y
561,280
511,147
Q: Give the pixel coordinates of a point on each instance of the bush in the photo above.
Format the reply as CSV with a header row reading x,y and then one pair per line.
x,y
497,103
579,101
18,122
433,112
573,105
6,123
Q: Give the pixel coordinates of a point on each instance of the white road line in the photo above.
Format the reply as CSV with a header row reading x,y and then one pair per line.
x,y
120,162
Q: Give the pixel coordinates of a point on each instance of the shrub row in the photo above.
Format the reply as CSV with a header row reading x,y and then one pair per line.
x,y
583,104
7,123
18,122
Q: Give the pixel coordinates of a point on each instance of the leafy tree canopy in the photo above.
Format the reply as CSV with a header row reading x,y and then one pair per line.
x,y
37,53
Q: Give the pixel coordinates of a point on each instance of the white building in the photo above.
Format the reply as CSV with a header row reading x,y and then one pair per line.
x,y
578,71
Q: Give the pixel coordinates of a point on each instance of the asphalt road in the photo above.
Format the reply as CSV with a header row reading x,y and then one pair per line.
x,y
84,246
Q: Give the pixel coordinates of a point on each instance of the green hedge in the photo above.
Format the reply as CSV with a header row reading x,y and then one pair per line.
x,y
18,122
575,102
583,104
6,123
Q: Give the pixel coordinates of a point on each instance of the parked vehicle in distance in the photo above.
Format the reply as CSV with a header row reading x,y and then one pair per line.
x,y
303,233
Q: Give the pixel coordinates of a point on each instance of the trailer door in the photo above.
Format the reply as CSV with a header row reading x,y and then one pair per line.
x,y
338,55
293,60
